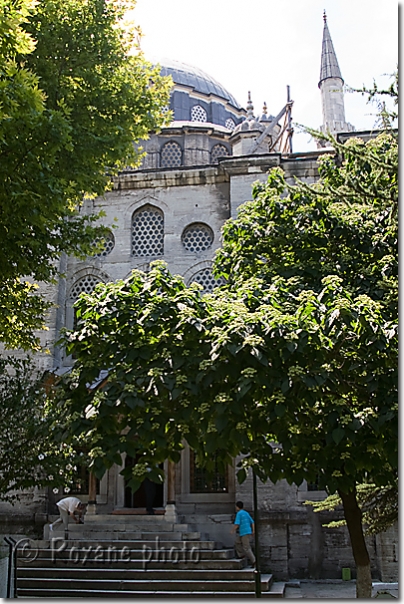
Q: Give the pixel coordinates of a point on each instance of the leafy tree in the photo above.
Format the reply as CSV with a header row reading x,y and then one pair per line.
x,y
73,103
237,373
30,456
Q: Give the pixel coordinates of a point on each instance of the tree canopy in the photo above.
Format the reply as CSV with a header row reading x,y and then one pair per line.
x,y
74,101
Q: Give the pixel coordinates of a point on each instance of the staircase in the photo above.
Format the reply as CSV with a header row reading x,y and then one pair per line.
x,y
135,556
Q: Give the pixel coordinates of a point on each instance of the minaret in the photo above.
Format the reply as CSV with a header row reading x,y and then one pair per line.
x,y
331,86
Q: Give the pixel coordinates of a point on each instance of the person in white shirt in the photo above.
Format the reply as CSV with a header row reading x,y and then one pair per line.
x,y
69,506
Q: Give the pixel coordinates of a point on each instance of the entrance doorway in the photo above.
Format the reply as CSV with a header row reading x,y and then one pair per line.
x,y
137,499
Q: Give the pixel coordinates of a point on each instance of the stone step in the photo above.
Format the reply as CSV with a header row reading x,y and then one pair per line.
x,y
192,572
131,542
131,518
104,552
203,563
161,527
118,535
67,585
276,592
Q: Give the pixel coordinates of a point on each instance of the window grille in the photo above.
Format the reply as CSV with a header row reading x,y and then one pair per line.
x,y
84,285
170,155
109,244
205,278
197,237
198,114
218,151
148,232
201,482
230,124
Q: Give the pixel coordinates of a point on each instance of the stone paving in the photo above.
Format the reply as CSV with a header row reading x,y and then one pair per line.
x,y
336,589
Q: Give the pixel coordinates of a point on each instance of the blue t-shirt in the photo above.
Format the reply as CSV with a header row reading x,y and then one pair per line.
x,y
244,520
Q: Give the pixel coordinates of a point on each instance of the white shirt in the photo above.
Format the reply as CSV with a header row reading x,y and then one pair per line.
x,y
69,504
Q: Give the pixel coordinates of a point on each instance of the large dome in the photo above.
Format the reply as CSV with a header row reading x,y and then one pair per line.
x,y
196,79
198,98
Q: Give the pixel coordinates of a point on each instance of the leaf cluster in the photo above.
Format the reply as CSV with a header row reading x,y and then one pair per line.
x,y
72,105
30,455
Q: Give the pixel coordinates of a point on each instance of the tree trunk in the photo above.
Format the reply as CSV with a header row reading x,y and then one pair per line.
x,y
353,517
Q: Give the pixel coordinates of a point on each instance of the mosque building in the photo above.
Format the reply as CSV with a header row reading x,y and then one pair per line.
x,y
195,174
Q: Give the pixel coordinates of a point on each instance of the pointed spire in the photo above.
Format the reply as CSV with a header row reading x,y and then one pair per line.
x,y
265,109
329,63
250,108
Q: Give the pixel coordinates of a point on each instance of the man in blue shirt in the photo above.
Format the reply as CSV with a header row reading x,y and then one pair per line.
x,y
243,527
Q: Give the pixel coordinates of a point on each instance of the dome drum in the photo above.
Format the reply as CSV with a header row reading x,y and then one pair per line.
x,y
186,107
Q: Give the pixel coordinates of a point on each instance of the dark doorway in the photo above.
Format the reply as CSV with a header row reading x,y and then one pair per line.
x,y
138,499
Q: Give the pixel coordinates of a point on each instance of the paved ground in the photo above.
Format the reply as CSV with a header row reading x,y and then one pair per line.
x,y
335,589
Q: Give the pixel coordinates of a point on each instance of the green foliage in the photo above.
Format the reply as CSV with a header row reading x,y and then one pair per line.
x,y
72,106
30,456
145,333
235,373
332,246
379,506
345,225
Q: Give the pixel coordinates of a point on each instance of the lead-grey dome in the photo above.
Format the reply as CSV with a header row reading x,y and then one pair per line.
x,y
196,79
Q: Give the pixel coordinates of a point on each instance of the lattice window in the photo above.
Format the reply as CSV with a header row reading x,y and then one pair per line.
x,y
109,244
205,278
218,151
197,237
148,232
200,482
171,155
84,285
230,124
198,114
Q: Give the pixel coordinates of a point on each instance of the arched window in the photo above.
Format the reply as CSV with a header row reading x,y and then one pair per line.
x,y
148,232
198,114
197,237
109,244
170,155
230,124
218,151
84,285
205,278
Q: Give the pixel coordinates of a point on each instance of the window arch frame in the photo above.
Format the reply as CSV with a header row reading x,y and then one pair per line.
x,y
188,228
198,108
216,159
200,269
145,207
171,143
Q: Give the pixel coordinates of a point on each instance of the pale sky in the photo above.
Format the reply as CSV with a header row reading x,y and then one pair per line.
x,y
264,45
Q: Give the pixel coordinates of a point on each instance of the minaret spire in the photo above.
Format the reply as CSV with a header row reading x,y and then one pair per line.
x,y
331,85
329,63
